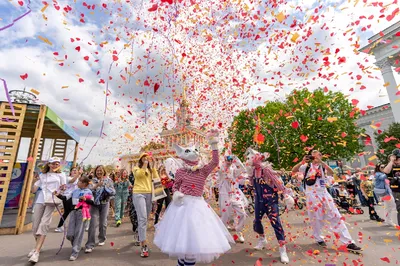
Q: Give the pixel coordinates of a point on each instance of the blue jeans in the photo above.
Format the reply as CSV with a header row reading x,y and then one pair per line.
x,y
266,202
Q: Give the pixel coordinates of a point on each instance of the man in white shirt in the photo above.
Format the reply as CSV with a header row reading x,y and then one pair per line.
x,y
232,201
320,204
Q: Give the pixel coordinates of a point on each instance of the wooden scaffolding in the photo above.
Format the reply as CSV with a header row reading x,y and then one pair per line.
x,y
38,123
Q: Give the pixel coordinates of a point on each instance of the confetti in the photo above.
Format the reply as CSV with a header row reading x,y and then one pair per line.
x,y
45,40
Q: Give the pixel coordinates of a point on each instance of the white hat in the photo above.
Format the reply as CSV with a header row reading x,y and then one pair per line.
x,y
54,160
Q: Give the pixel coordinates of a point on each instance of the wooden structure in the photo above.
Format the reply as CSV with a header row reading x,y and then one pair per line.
x,y
38,123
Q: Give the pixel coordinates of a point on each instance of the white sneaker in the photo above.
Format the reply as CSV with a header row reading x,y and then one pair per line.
x,y
34,258
240,237
284,256
390,223
31,253
59,230
102,243
229,228
262,242
72,258
88,250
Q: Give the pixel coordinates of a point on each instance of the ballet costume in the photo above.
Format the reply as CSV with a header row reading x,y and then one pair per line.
x,y
190,229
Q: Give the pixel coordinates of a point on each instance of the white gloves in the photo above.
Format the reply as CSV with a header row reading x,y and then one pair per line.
x,y
289,202
212,137
177,198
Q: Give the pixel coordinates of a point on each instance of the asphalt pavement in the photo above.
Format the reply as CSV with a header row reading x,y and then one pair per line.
x,y
381,246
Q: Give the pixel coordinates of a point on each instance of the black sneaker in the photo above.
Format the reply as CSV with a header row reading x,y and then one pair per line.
x,y
380,220
372,218
353,247
322,244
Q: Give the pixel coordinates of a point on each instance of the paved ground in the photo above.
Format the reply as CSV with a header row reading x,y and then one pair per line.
x,y
379,242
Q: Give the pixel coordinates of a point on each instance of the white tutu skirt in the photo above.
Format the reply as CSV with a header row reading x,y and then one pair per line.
x,y
192,229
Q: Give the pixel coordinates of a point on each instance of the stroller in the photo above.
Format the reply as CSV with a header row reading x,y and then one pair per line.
x,y
346,201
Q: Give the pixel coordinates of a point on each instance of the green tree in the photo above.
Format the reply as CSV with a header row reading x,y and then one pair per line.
x,y
387,141
305,120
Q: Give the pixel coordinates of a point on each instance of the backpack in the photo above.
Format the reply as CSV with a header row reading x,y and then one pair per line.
x,y
310,181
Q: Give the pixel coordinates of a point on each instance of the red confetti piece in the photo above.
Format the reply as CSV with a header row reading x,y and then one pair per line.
x,y
156,87
85,123
153,8
115,58
167,1
258,263
303,138
21,3
386,198
78,48
295,124
24,76
112,244
385,259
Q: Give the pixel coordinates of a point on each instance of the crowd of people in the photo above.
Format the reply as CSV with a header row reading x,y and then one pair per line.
x,y
189,229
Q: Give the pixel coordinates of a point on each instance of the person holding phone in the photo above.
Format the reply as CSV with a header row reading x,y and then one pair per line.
x,y
142,197
321,207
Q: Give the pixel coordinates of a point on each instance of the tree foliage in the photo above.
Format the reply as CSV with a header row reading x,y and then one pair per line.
x,y
387,141
304,121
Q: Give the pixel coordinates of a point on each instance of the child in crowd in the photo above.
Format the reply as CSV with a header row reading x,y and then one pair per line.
x,y
76,228
121,185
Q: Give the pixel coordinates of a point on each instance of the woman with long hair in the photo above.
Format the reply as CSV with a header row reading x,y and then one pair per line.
x,y
72,184
50,180
121,185
142,197
167,184
102,188
383,191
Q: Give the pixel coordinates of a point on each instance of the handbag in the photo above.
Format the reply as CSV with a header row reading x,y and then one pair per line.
x,y
157,190
49,198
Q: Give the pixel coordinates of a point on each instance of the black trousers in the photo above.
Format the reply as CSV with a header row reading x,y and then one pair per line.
x,y
160,203
67,209
371,209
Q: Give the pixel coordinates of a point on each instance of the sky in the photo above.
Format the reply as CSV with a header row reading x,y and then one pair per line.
x,y
124,63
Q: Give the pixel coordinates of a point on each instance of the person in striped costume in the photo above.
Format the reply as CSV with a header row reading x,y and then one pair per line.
x,y
268,187
190,230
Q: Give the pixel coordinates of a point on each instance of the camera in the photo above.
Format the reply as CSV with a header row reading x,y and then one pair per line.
x,y
396,152
310,157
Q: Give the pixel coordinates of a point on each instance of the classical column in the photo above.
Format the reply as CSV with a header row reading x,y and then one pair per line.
x,y
388,77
